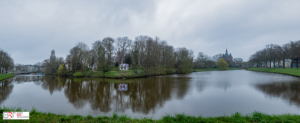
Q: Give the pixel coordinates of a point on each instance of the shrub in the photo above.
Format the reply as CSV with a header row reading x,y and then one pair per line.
x,y
78,74
114,69
105,69
168,71
223,65
62,71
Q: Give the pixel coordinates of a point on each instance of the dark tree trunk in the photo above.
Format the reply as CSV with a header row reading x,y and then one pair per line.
x,y
292,61
297,61
274,63
283,61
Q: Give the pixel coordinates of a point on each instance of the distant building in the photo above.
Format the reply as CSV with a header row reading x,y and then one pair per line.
x,y
294,61
52,57
124,66
287,63
227,57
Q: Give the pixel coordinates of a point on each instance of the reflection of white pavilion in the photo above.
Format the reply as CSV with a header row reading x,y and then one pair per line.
x,y
125,66
123,87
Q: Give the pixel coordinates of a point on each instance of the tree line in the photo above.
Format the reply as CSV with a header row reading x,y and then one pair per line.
x,y
6,62
145,53
275,54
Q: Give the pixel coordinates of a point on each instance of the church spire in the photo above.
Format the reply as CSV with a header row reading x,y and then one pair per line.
x,y
226,53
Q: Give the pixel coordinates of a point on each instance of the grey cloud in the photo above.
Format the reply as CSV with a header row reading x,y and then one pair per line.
x,y
29,30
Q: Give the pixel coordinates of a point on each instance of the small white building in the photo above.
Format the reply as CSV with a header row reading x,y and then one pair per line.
x,y
123,66
287,63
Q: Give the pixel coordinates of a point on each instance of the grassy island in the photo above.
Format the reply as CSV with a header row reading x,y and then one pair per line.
x,y
288,71
6,76
127,74
255,117
217,69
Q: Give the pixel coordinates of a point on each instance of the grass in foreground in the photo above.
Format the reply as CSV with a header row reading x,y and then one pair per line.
x,y
36,116
290,71
6,76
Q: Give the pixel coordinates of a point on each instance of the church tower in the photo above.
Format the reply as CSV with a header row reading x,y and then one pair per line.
x,y
52,57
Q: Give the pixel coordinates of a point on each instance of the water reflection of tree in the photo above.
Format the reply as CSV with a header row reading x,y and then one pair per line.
x,y
21,79
287,90
182,84
143,95
100,94
6,88
76,92
52,83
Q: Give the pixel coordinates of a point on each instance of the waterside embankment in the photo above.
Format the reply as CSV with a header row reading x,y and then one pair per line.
x,y
286,71
5,76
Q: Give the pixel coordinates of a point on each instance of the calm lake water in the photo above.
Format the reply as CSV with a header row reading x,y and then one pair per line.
x,y
212,93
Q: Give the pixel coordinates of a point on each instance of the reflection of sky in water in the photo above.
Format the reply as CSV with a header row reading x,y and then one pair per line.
x,y
212,93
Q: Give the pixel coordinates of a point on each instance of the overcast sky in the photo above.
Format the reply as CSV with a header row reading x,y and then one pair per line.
x,y
29,30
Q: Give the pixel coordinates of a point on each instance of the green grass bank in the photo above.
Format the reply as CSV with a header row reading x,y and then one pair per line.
x,y
255,117
127,74
288,71
217,69
5,76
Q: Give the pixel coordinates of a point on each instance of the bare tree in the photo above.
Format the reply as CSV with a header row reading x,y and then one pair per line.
x,y
273,53
39,66
294,48
122,44
79,56
83,53
284,53
237,60
69,63
203,60
217,57
99,54
108,43
183,60
140,46
6,62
